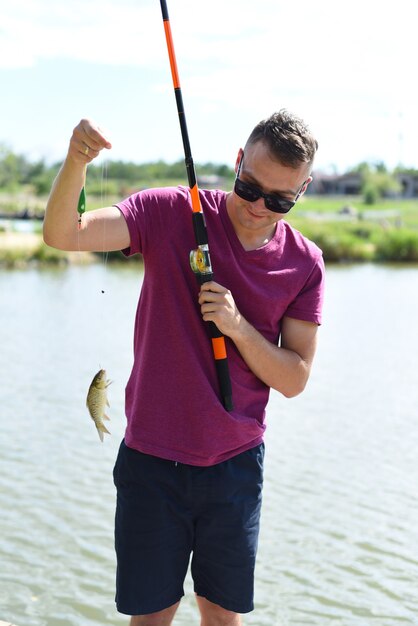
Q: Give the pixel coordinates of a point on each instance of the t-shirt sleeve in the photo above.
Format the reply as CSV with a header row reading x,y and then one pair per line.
x,y
150,214
132,209
307,305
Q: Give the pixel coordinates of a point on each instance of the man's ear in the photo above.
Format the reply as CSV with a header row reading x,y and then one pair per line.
x,y
238,159
306,185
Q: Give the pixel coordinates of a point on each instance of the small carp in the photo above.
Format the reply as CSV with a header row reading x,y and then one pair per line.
x,y
97,401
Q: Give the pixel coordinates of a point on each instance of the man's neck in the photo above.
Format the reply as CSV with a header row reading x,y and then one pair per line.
x,y
249,239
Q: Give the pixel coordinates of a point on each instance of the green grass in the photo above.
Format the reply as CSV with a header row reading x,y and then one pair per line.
x,y
384,232
397,245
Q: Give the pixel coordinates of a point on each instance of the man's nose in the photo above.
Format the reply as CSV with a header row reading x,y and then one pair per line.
x,y
259,205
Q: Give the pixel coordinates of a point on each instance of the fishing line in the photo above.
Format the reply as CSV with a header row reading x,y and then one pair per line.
x,y
103,287
103,203
97,394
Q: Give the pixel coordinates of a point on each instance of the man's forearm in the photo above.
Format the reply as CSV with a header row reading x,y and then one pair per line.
x,y
60,226
279,368
60,223
285,368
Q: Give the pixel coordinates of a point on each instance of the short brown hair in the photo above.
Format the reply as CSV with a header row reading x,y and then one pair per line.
x,y
287,137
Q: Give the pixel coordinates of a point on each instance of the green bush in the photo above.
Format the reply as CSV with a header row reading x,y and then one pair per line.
x,y
11,258
370,194
343,247
341,242
46,254
397,245
103,189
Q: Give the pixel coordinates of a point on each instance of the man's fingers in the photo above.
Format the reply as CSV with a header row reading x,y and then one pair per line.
x,y
211,297
212,286
211,292
83,152
87,141
95,137
207,296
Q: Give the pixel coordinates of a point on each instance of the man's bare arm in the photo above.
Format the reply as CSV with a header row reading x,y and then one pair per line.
x,y
285,368
102,229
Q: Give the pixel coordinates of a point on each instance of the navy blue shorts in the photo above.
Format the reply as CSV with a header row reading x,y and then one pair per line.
x,y
167,511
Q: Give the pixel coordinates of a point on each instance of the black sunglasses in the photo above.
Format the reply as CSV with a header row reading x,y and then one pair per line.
x,y
251,193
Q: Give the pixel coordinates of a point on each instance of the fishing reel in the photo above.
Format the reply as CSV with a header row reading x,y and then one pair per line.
x,y
200,261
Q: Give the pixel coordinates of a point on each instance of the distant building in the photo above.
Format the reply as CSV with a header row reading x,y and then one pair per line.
x,y
210,181
335,184
350,184
409,184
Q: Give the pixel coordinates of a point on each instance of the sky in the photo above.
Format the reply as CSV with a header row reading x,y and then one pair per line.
x,y
348,69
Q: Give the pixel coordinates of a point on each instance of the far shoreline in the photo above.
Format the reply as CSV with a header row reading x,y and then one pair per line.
x,y
27,249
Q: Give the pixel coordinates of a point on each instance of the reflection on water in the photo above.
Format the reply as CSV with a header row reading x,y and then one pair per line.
x,y
338,543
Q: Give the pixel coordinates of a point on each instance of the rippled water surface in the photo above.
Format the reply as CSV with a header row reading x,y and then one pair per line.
x,y
339,539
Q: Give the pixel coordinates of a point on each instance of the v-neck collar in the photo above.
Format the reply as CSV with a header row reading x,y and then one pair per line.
x,y
235,241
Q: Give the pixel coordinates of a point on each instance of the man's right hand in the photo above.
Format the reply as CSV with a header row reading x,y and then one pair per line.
x,y
102,229
86,142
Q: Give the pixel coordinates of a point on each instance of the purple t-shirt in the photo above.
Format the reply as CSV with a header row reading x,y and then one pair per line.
x,y
173,406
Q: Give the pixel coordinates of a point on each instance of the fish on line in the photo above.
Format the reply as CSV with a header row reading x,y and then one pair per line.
x,y
97,401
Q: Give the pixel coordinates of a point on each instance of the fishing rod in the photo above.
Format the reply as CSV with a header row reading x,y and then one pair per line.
x,y
199,258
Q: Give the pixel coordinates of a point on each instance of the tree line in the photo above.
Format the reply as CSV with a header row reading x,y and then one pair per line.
x,y
121,177
17,171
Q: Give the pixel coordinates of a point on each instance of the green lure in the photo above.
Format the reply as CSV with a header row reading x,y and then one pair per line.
x,y
81,207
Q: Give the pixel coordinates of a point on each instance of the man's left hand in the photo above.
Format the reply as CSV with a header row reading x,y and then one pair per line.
x,y
217,305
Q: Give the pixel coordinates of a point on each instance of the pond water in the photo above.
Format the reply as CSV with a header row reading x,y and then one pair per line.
x,y
339,541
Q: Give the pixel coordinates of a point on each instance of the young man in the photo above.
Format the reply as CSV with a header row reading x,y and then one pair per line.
x,y
189,473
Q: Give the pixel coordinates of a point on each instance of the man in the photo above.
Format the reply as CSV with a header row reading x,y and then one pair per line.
x,y
189,473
